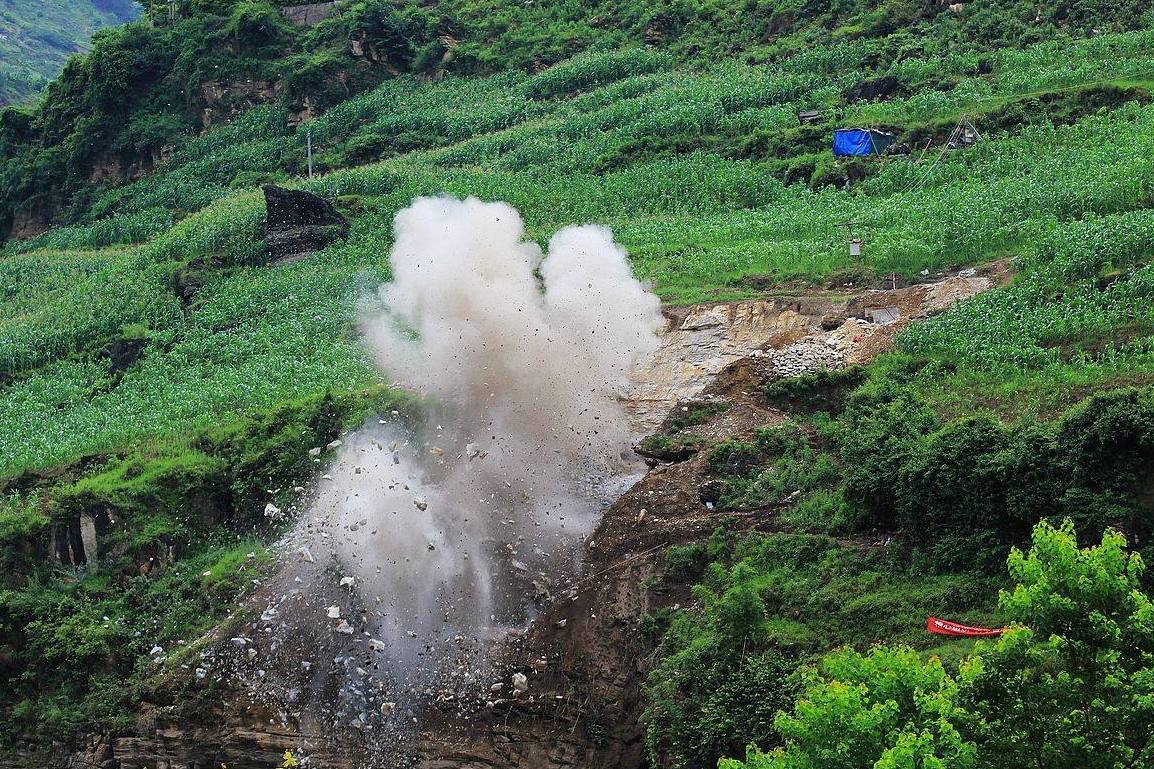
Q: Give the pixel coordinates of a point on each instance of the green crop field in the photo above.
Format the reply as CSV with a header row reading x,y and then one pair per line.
x,y
690,149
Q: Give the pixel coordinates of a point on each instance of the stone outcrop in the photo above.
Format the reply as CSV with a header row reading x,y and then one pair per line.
x,y
30,220
310,14
700,341
299,223
222,100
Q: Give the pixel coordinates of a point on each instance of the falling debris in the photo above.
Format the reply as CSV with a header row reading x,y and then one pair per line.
x,y
416,541
306,554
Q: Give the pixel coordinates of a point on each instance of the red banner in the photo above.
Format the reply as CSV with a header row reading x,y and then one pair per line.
x,y
945,627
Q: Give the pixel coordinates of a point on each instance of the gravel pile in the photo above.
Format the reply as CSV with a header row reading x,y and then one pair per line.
x,y
807,357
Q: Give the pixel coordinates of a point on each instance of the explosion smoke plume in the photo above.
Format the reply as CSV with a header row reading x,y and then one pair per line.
x,y
449,533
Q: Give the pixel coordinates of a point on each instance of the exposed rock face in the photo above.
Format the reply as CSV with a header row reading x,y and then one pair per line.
x,y
308,15
88,537
796,336
31,220
238,740
300,223
225,99
114,168
699,342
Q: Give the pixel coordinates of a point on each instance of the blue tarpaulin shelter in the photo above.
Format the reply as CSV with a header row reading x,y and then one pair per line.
x,y
859,142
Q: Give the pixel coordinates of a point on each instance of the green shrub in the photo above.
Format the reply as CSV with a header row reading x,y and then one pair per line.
x,y
1064,690
736,458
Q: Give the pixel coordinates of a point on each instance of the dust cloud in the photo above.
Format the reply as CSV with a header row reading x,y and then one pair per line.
x,y
456,530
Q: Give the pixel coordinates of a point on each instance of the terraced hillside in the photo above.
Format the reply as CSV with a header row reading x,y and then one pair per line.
x,y
155,362
36,39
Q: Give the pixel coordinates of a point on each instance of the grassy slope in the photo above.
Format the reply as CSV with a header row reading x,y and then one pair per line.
x,y
38,36
685,165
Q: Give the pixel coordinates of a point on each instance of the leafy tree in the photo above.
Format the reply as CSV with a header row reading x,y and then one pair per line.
x,y
884,709
1073,687
718,687
256,23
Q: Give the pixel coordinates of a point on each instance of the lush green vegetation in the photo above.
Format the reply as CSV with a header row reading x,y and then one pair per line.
x,y
768,602
149,355
1066,686
38,36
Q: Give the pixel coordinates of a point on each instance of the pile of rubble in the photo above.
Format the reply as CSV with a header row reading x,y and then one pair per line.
x,y
808,356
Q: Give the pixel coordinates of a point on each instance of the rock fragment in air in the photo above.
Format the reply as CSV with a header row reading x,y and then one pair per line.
x,y
520,683
334,612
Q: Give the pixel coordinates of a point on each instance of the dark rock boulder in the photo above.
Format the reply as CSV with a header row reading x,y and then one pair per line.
x,y
123,353
299,223
884,87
